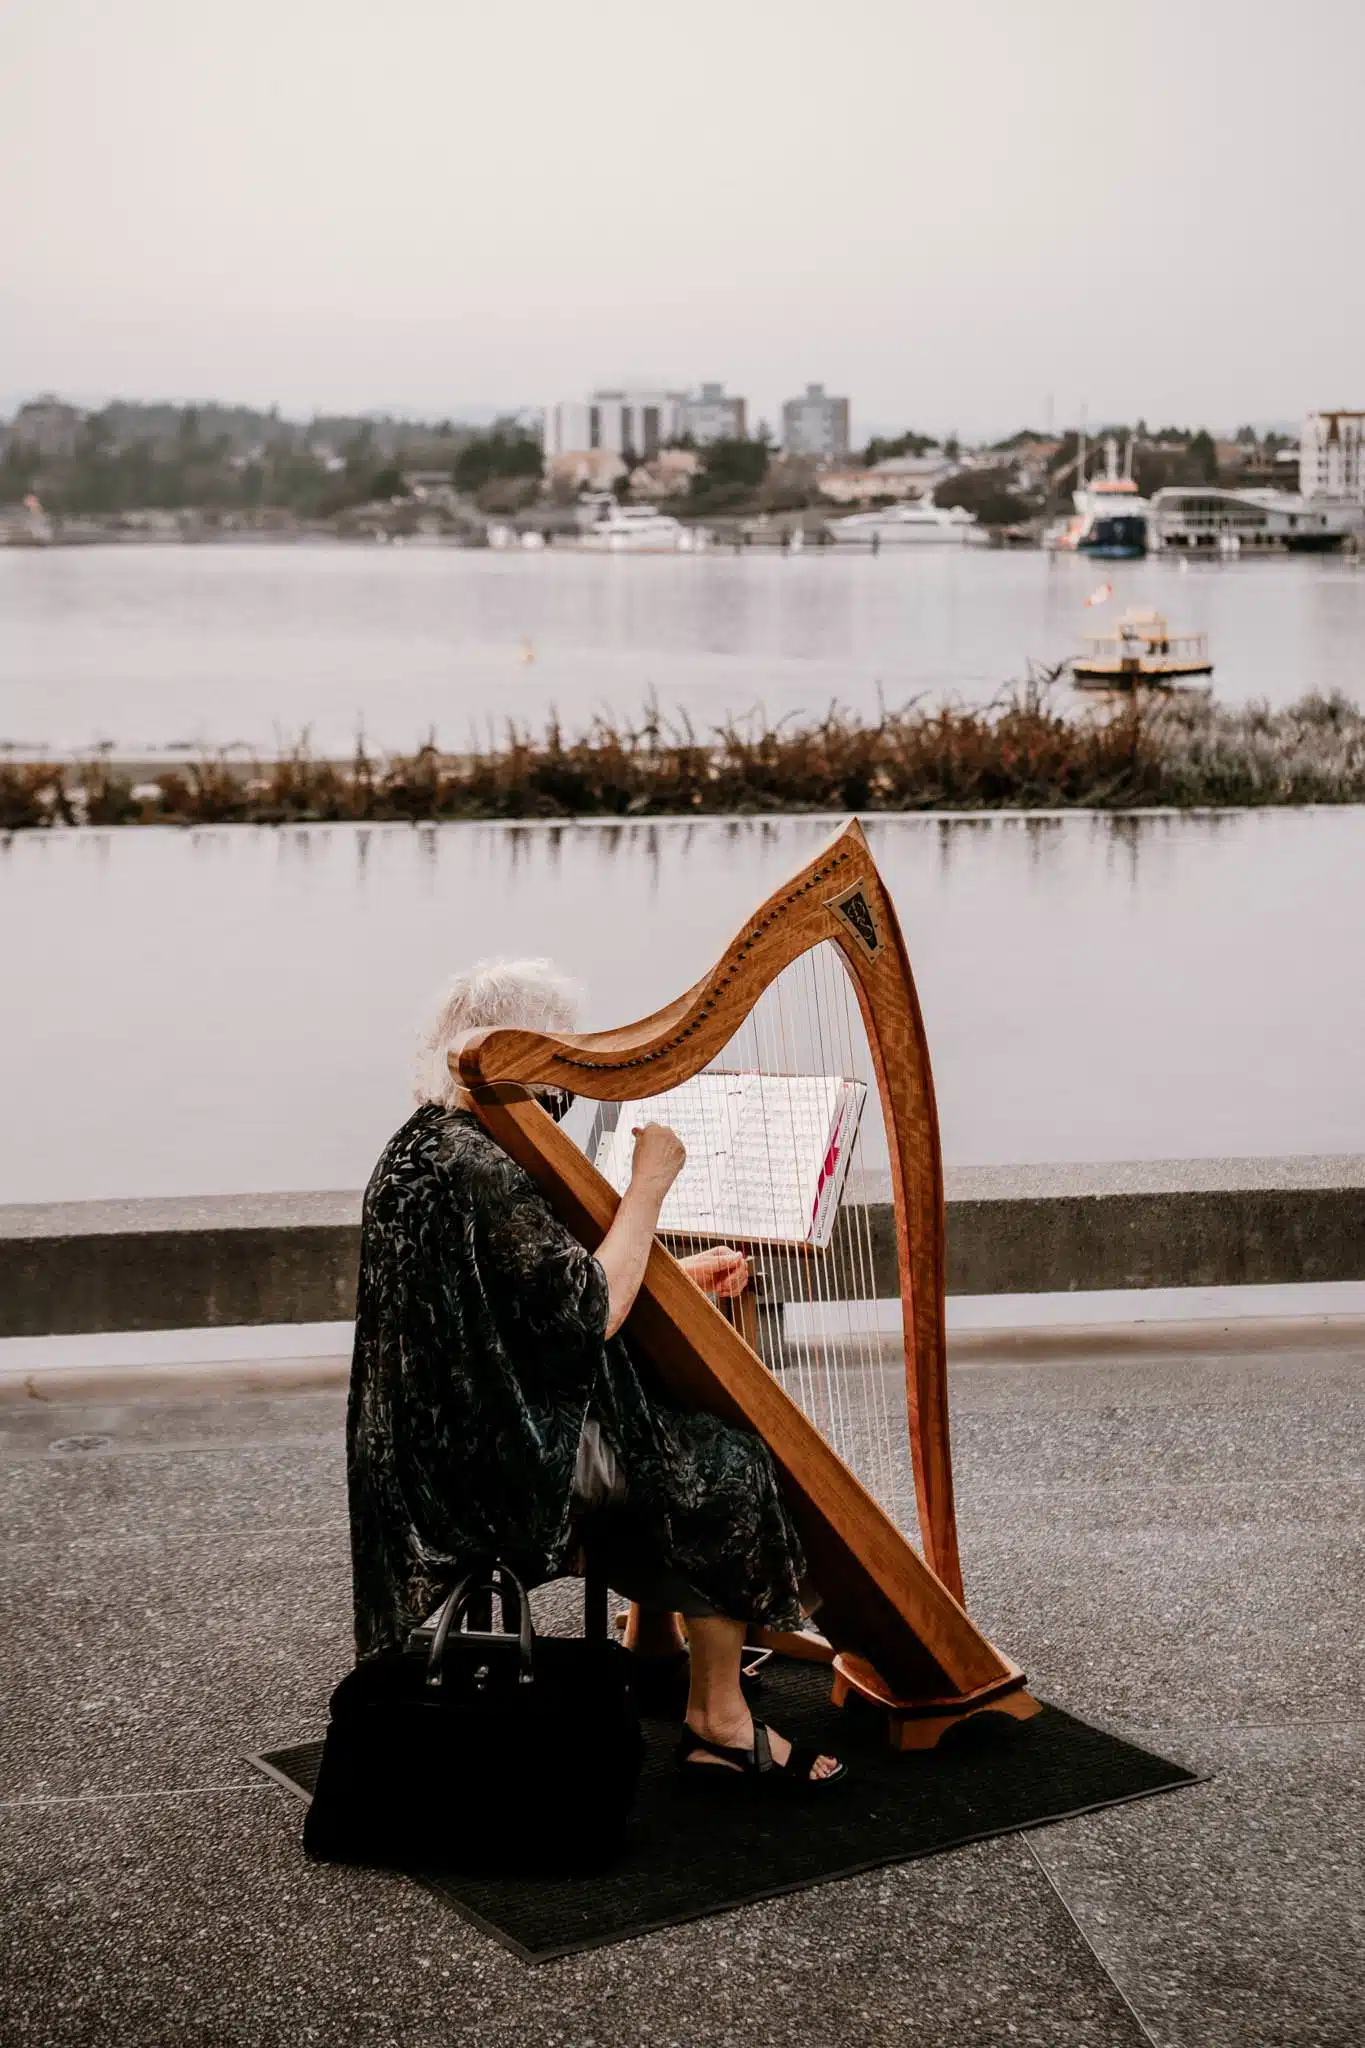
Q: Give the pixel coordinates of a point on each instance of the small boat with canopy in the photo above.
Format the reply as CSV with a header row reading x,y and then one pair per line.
x,y
1141,652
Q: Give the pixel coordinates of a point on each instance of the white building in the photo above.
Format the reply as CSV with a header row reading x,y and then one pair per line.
x,y
815,424
1332,456
897,476
1195,516
709,415
636,421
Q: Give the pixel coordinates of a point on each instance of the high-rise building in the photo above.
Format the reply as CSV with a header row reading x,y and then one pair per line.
x,y
815,425
1332,456
623,422
709,415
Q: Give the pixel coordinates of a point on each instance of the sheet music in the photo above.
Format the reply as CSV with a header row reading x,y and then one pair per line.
x,y
767,1154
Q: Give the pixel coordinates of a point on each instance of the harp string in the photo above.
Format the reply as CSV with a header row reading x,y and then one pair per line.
x,y
852,1357
775,1055
842,1385
881,1375
826,1344
831,1293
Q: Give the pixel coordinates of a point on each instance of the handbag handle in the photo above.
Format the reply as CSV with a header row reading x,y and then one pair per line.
x,y
479,1582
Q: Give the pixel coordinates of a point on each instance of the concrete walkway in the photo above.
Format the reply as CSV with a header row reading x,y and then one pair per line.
x,y
1171,1545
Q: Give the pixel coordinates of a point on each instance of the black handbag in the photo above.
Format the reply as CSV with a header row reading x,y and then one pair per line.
x,y
487,1751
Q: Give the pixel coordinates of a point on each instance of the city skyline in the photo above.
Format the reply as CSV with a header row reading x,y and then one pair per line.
x,y
531,417
968,222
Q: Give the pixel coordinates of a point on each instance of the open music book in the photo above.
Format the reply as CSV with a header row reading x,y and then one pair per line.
x,y
767,1154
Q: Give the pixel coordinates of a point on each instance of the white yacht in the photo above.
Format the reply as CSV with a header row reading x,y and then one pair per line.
x,y
639,530
911,525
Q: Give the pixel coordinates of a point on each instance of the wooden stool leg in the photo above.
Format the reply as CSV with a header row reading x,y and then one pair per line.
x,y
594,1606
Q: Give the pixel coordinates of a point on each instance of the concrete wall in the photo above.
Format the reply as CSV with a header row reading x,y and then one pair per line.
x,y
150,1265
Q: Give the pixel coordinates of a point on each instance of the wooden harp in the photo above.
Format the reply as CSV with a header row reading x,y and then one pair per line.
x,y
815,992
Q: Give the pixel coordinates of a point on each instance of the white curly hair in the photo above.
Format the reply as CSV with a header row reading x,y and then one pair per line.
x,y
530,994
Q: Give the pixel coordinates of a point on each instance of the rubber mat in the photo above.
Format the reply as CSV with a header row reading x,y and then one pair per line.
x,y
688,1856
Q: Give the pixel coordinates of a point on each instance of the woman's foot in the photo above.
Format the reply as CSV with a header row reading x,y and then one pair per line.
x,y
742,1735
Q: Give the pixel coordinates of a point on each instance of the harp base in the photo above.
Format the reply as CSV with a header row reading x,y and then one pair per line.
x,y
910,1724
922,1724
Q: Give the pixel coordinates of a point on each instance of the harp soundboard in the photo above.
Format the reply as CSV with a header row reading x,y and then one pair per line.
x,y
811,1013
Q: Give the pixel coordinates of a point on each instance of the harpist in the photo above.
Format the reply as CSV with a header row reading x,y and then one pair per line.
x,y
495,1411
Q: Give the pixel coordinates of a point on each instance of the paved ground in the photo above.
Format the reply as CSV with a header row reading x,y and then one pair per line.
x,y
1172,1546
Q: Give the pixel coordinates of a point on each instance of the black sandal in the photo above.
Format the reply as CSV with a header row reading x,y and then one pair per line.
x,y
754,1768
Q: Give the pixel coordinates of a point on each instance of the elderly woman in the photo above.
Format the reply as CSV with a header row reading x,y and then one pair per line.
x,y
496,1412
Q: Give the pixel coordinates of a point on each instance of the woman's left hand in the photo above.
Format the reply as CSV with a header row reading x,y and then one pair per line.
x,y
721,1271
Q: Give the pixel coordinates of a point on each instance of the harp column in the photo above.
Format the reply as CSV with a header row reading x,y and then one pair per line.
x,y
868,934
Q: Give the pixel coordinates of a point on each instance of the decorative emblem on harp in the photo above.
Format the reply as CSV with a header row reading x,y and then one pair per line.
x,y
853,907
804,1019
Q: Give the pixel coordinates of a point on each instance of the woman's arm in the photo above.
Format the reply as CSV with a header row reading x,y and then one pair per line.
x,y
624,1251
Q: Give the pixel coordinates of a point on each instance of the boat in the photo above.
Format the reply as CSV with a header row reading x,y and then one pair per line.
x,y
639,530
1141,652
1109,516
910,526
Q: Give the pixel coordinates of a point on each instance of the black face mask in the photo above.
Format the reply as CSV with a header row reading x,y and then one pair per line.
x,y
556,1102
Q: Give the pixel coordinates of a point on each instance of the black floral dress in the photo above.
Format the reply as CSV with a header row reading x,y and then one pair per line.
x,y
480,1350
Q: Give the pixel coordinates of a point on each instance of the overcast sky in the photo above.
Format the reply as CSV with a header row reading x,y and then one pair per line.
x,y
955,212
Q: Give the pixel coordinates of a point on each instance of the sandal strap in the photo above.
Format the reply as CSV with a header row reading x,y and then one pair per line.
x,y
753,1762
802,1761
691,1741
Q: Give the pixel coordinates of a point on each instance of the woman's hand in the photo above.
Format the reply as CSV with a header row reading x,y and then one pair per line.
x,y
658,1158
721,1271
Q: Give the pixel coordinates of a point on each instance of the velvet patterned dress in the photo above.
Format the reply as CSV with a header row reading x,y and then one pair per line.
x,y
480,1350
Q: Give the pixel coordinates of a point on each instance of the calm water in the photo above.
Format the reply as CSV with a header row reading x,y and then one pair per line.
x,y
234,1009
149,646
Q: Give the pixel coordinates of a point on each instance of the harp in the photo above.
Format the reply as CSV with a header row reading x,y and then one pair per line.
x,y
812,1002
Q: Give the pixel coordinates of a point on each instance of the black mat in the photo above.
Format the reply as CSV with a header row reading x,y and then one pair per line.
x,y
690,1856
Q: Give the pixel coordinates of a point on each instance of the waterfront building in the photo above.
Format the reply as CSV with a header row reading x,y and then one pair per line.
x,y
48,427
710,415
584,469
899,477
1332,456
816,425
913,476
1031,461
635,422
429,486
669,475
1199,516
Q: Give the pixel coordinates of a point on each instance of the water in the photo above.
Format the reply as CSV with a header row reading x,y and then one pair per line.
x,y
234,1009
150,646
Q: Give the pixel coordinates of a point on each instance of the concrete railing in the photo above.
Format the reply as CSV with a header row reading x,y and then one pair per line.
x,y
153,1265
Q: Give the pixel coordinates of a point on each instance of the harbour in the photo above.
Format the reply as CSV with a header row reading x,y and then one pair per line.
x,y
159,648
